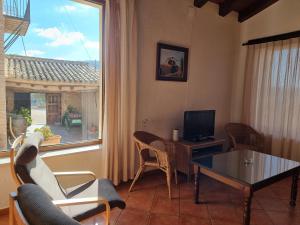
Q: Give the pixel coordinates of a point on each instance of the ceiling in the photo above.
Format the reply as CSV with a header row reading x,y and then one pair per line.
x,y
245,8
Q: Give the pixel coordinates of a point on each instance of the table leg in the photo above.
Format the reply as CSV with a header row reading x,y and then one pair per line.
x,y
197,175
294,188
247,205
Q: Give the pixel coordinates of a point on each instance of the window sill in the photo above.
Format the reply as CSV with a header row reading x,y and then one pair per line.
x,y
54,153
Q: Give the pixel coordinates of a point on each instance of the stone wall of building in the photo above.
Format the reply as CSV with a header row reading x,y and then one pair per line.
x,y
3,134
10,96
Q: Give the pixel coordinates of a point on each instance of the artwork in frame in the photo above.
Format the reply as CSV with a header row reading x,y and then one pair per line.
x,y
172,62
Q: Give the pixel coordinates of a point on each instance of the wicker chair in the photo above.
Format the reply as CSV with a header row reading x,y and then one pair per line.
x,y
163,156
242,136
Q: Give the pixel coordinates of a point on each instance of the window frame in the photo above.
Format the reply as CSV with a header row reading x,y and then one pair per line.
x,y
64,146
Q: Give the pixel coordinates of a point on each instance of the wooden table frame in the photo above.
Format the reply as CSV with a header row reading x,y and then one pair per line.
x,y
249,189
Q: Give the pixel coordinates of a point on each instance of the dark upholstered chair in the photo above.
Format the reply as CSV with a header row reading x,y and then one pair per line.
x,y
28,167
242,136
32,206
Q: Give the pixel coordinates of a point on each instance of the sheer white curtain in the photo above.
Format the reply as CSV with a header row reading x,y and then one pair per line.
x,y
120,89
272,95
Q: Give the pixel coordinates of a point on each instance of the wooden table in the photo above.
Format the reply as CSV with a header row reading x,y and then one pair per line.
x,y
186,151
247,171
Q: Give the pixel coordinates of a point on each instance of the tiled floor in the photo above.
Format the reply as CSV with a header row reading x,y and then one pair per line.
x,y
148,204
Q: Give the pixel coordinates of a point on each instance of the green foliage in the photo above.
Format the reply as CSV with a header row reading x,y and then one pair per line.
x,y
71,109
46,131
26,114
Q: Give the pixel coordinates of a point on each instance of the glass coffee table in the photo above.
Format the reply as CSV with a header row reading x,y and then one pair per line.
x,y
247,171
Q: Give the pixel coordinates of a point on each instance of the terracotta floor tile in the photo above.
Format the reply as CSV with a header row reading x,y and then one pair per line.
x,y
274,204
284,218
163,219
258,216
149,204
265,193
227,213
192,220
188,207
163,205
282,192
163,192
130,217
224,222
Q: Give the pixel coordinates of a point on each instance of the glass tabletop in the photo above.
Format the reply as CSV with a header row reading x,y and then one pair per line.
x,y
246,165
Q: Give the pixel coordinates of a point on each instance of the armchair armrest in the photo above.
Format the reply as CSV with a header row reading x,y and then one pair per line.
x,y
75,173
82,201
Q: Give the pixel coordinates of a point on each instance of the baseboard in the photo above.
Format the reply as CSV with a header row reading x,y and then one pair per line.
x,y
4,211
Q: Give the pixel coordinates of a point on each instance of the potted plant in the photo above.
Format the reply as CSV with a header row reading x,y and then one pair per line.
x,y
49,137
21,119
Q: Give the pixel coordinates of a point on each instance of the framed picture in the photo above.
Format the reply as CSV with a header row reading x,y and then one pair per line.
x,y
172,62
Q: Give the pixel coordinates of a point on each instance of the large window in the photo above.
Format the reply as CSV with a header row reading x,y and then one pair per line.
x,y
272,95
54,73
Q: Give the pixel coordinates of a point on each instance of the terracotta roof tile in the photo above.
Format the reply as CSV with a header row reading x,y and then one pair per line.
x,y
43,69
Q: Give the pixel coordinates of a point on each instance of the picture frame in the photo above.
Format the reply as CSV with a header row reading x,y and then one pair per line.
x,y
171,62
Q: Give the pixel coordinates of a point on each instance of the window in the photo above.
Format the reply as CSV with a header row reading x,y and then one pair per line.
x,y
53,71
272,94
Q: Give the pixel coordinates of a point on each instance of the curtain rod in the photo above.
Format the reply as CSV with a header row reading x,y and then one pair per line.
x,y
278,37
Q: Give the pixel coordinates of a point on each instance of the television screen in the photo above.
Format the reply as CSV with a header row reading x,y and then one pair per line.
x,y
199,125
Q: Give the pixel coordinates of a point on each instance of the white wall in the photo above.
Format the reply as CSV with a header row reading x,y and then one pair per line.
x,y
282,17
212,41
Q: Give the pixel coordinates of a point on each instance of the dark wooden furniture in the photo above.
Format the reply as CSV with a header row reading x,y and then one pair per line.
x,y
242,136
186,151
247,171
245,8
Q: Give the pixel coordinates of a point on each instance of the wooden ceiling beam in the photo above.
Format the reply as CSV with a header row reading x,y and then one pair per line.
x,y
255,8
226,7
200,3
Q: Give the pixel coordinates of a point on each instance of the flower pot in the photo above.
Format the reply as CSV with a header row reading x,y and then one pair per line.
x,y
18,125
53,140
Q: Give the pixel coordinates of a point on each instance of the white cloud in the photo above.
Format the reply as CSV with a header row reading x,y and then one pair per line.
x,y
59,38
68,8
73,8
91,44
32,52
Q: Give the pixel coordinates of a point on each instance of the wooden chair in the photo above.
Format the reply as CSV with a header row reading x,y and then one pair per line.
x,y
163,156
242,136
32,206
28,167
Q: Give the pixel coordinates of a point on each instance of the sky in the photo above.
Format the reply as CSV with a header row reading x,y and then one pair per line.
x,y
61,29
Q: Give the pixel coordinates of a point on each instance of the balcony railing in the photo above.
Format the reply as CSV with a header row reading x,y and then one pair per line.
x,y
17,8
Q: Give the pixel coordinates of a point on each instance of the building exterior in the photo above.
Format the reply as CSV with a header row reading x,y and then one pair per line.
x,y
48,87
62,81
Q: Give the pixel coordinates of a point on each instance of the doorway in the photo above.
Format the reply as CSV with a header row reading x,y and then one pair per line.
x,y
53,107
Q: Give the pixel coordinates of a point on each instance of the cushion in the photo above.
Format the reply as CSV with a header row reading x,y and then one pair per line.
x,y
96,188
38,209
41,175
32,169
29,149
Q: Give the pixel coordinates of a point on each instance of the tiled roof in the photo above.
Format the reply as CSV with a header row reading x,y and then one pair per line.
x,y
53,70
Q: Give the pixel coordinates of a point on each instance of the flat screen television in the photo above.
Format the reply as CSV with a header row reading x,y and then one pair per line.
x,y
199,125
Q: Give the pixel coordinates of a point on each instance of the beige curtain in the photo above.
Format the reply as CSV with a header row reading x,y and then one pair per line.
x,y
272,95
120,89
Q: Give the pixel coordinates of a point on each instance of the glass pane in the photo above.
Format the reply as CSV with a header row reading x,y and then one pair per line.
x,y
55,80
